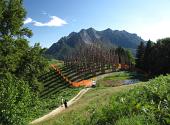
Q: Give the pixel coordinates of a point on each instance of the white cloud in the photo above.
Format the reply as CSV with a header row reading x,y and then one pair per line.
x,y
53,22
28,20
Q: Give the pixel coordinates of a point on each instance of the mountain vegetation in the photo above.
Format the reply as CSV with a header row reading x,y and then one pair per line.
x,y
136,104
154,58
146,104
107,38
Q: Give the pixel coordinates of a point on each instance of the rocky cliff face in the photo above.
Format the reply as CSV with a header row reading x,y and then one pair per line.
x,y
107,38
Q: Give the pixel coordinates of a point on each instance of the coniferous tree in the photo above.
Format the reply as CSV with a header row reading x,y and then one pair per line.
x,y
147,57
140,56
162,56
155,58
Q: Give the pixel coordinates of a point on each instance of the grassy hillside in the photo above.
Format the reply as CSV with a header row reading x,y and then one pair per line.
x,y
92,100
81,111
135,104
54,89
147,104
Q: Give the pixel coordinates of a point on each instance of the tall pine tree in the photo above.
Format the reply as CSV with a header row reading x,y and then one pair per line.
x,y
140,56
147,58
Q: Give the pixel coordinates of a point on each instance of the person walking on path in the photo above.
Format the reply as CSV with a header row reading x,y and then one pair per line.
x,y
65,103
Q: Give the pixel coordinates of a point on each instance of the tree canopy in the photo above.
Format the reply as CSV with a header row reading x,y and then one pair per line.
x,y
154,58
20,65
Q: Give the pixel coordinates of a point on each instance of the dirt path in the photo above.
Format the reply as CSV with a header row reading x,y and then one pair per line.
x,y
61,108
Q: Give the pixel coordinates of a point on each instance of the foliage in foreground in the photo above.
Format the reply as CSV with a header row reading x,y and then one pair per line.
x,y
20,65
15,109
149,104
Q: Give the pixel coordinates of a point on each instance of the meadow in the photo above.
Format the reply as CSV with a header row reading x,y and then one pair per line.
x,y
136,104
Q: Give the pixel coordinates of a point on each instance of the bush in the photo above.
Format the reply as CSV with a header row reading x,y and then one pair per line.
x,y
151,101
16,101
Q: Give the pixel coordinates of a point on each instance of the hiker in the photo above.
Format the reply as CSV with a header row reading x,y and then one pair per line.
x,y
65,103
93,84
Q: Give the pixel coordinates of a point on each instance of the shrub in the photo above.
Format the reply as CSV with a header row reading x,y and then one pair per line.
x,y
151,101
16,101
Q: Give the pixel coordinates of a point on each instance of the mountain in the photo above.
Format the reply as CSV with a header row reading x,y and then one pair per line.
x,y
107,38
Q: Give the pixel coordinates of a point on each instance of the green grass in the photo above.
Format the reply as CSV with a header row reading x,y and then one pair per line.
x,y
135,120
59,63
81,110
52,84
135,104
54,89
144,105
94,99
117,78
45,105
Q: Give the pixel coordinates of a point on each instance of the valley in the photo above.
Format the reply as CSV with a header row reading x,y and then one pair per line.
x,y
89,62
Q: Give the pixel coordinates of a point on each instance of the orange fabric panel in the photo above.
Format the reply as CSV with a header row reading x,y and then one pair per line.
x,y
86,83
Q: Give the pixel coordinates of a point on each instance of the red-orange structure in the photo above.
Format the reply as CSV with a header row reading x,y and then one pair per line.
x,y
86,83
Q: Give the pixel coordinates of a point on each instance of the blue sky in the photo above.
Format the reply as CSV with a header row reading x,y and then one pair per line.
x,y
52,19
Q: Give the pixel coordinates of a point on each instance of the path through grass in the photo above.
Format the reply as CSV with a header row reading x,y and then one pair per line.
x,y
92,100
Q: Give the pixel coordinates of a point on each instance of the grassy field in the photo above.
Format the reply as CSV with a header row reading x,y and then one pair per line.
x,y
144,103
117,79
94,99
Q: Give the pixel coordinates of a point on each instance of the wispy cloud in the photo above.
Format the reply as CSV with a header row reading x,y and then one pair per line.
x,y
28,20
53,22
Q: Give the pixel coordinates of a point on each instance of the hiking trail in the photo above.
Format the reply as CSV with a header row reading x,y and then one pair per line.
x,y
60,108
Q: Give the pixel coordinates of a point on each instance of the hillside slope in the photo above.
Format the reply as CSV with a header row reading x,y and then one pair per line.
x,y
95,98
92,100
107,38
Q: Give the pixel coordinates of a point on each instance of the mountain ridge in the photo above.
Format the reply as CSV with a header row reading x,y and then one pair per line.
x,y
107,37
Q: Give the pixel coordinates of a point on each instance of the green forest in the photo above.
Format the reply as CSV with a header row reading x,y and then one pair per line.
x,y
25,77
154,58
